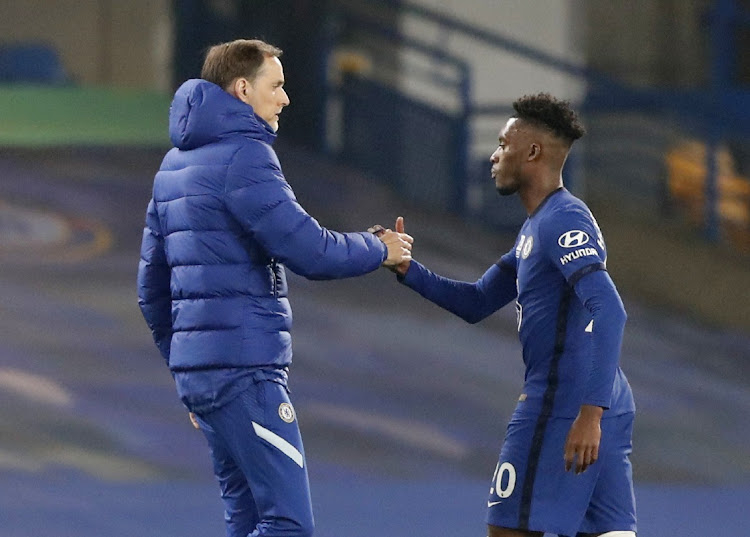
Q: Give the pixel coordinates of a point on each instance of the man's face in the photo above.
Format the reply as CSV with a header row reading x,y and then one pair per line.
x,y
266,93
508,159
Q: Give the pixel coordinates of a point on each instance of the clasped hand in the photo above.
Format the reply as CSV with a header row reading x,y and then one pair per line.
x,y
398,244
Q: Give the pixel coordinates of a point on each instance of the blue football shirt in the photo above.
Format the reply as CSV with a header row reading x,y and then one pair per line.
x,y
560,245
570,316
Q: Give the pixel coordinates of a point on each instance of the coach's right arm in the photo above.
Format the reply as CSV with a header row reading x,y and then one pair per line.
x,y
262,201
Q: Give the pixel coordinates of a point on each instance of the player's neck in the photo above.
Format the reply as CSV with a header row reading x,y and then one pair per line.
x,y
535,192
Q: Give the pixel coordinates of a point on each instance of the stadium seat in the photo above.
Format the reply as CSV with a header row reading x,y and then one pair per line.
x,y
34,63
686,164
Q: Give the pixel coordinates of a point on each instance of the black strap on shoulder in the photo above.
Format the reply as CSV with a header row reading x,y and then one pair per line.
x,y
588,269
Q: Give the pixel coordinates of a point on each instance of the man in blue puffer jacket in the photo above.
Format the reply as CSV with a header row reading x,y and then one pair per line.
x,y
222,224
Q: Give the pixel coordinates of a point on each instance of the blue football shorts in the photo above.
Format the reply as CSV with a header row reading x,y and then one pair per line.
x,y
259,461
531,490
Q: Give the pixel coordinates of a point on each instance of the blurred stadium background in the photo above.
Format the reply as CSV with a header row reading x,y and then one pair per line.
x,y
395,110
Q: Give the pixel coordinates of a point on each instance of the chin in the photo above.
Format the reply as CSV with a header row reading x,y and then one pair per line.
x,y
506,190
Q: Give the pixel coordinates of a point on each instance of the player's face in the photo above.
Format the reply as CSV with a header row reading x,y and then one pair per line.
x,y
266,93
508,159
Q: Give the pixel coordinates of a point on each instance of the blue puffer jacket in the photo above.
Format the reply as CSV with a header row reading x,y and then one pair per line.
x,y
222,224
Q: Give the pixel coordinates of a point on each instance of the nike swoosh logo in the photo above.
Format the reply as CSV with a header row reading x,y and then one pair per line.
x,y
493,504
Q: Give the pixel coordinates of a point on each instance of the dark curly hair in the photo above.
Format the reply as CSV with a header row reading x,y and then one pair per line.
x,y
554,114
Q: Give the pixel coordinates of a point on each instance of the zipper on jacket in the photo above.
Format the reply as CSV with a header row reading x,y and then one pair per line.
x,y
274,284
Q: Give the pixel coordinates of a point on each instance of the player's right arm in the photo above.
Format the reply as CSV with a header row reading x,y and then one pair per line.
x,y
470,301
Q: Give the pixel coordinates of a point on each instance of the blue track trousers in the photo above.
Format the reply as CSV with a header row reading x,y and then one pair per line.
x,y
259,462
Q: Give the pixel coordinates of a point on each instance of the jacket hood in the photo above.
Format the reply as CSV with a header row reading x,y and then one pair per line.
x,y
202,113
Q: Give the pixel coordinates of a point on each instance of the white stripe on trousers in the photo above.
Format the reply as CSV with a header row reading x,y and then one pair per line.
x,y
279,443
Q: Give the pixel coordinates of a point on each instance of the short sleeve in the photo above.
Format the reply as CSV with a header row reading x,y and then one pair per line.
x,y
571,238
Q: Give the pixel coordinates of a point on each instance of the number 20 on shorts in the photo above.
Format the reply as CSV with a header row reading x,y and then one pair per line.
x,y
501,470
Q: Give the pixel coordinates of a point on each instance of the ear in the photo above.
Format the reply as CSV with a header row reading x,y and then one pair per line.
x,y
535,152
240,88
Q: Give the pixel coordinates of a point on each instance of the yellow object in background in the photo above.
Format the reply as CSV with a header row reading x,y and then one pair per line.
x,y
687,173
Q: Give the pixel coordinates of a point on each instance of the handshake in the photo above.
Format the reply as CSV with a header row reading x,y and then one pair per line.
x,y
398,244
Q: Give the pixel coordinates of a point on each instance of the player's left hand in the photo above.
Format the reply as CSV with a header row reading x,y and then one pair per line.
x,y
582,444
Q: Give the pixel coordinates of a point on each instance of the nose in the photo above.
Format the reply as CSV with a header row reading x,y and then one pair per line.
x,y
494,157
284,97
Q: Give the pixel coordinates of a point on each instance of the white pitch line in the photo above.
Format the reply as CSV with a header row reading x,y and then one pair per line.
x,y
411,433
35,387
